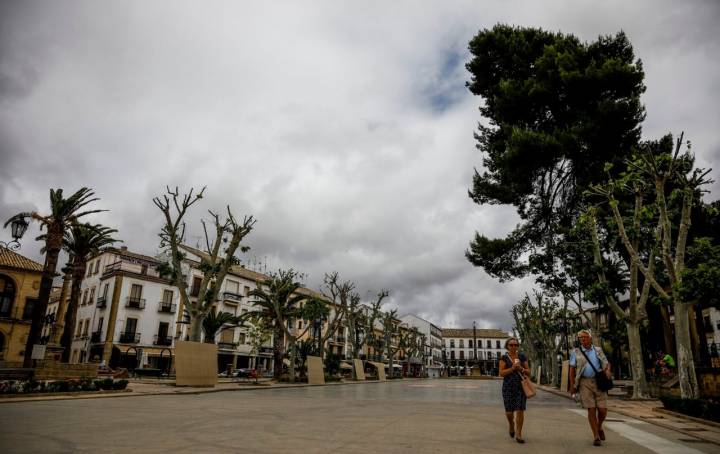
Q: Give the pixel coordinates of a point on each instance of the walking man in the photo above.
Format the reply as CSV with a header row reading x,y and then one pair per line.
x,y
582,380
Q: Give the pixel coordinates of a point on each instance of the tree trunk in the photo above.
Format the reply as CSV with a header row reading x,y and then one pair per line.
x,y
57,331
685,363
195,328
71,312
277,352
637,365
53,246
667,331
293,355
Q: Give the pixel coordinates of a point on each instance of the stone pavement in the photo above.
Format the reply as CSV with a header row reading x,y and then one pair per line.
x,y
413,416
652,412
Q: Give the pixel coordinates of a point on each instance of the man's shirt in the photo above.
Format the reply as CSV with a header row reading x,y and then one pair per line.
x,y
592,355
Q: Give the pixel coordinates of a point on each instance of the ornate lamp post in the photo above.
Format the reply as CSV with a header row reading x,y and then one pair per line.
x,y
17,230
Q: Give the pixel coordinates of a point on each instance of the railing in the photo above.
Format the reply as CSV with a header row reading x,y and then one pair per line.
x,y
135,303
227,345
167,307
162,340
113,267
232,296
129,338
96,336
101,302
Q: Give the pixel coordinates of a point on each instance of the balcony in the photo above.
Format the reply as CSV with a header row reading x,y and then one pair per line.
x,y
234,297
101,302
129,338
337,340
96,337
227,345
135,303
168,308
162,340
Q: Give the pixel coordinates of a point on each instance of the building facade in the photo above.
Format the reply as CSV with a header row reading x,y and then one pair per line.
x,y
19,288
432,358
468,347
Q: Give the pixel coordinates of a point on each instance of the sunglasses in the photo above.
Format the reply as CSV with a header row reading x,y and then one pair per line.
x,y
513,345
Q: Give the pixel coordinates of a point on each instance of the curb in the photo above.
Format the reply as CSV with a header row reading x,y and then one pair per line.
x,y
684,416
132,393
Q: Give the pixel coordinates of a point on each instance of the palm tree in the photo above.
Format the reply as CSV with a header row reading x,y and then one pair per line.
x,y
80,241
63,214
278,301
214,323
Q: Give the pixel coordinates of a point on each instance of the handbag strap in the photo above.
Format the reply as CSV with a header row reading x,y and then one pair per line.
x,y
588,359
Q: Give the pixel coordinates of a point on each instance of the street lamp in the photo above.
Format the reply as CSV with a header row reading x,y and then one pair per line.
x,y
17,230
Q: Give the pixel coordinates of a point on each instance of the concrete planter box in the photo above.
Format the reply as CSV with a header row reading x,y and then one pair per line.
x,y
196,364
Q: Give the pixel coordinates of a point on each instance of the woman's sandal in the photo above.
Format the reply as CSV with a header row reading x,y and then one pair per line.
x,y
520,440
597,442
512,434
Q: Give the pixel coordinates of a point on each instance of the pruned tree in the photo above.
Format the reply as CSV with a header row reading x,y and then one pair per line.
x,y
222,241
339,293
259,333
393,339
675,181
372,339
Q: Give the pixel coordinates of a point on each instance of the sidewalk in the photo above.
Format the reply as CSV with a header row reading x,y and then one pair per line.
x,y
652,412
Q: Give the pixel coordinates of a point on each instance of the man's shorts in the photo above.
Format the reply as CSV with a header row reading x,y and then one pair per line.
x,y
590,395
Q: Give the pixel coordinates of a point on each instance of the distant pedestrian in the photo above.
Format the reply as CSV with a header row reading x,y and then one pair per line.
x,y
584,361
513,367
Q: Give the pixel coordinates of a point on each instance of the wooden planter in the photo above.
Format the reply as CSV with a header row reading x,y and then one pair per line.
x,y
195,364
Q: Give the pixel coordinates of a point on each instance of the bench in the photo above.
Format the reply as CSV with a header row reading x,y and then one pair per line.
x,y
16,373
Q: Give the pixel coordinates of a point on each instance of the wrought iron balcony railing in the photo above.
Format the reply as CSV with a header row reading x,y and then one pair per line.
x,y
102,302
232,296
227,345
162,340
135,303
129,338
168,308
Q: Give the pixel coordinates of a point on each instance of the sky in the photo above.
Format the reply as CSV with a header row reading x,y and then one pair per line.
x,y
344,128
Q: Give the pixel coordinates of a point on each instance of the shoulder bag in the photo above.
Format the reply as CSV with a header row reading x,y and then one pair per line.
x,y
527,385
604,383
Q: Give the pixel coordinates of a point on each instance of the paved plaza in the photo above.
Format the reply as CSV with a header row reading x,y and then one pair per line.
x,y
419,416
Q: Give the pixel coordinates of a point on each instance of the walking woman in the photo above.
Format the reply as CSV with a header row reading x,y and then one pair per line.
x,y
512,368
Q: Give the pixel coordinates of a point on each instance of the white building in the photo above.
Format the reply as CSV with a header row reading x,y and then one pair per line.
x,y
433,343
464,348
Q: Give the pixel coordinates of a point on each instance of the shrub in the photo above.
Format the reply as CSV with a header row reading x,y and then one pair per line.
x,y
58,386
331,378
120,384
106,383
30,386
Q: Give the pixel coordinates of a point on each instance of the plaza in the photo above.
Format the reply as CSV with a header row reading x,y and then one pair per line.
x,y
419,416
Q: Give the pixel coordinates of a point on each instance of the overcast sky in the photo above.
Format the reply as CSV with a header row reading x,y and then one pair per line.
x,y
345,128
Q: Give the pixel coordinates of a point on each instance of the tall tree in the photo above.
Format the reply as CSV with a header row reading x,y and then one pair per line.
x,y
340,295
64,213
392,336
221,244
558,109
80,241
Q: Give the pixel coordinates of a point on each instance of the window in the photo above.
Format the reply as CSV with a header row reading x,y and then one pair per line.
x,y
86,327
247,291
497,344
91,298
470,343
130,325
7,296
232,287
195,290
143,269
452,343
300,324
84,298
97,267
242,338
100,324
489,343
462,343
89,269
452,354
29,308
105,290
167,296
227,336
462,354
489,354
136,292
78,328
